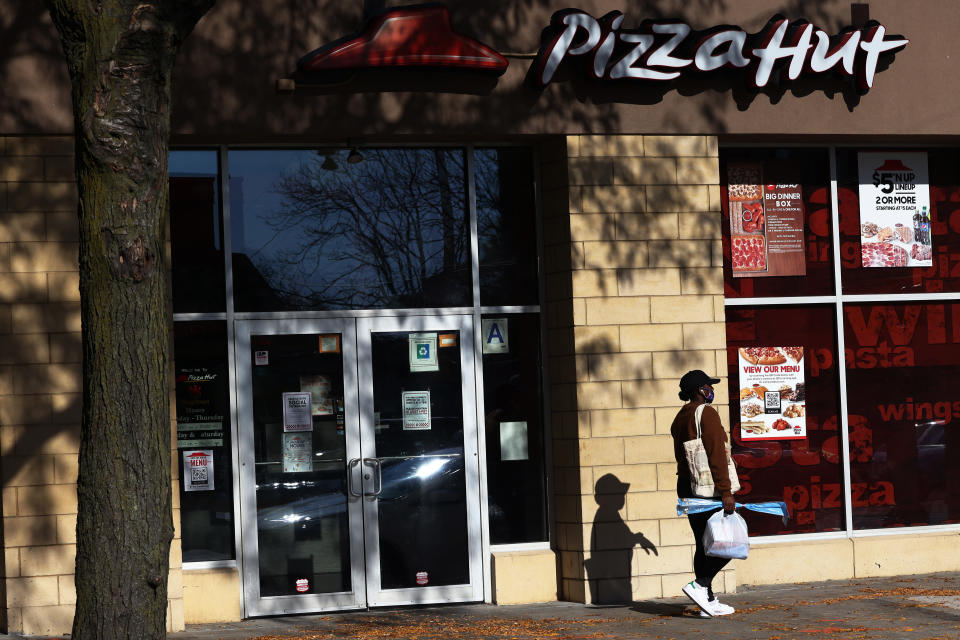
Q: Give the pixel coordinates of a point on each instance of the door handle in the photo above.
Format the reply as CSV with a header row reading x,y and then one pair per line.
x,y
378,479
350,467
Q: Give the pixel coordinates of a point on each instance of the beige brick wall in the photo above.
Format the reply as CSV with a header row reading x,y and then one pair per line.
x,y
40,384
634,300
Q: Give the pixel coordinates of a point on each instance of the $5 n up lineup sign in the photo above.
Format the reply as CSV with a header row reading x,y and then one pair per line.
x,y
666,50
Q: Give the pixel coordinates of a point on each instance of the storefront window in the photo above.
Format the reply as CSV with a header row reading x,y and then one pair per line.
x,y
196,233
338,230
204,449
924,234
901,390
506,226
898,214
341,229
516,486
776,221
806,473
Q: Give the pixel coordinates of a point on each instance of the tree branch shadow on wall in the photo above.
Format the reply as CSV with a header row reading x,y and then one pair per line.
x,y
41,433
630,245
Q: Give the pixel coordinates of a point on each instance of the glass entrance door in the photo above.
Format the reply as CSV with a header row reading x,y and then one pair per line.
x,y
359,468
302,521
419,438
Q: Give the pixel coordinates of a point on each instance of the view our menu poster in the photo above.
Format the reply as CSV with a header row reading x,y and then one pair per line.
x,y
772,393
766,224
894,209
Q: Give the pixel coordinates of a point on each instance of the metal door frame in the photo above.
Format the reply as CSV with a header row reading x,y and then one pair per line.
x,y
257,605
473,591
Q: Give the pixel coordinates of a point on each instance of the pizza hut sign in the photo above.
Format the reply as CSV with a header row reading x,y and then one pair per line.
x,y
664,50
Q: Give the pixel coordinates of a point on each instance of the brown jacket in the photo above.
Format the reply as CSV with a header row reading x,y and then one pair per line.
x,y
714,438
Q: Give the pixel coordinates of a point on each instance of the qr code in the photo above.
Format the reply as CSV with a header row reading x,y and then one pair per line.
x,y
772,400
198,474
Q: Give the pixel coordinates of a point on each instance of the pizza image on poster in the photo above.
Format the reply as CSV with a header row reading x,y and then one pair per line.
x,y
894,210
772,393
766,224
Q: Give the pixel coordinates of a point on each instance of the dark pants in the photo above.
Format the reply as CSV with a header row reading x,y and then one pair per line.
x,y
704,567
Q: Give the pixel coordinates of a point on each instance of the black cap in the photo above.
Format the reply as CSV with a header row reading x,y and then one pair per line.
x,y
693,380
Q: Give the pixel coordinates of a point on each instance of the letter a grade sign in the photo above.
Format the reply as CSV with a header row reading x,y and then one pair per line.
x,y
495,336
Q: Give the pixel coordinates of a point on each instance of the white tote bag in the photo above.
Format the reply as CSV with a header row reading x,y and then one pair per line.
x,y
701,480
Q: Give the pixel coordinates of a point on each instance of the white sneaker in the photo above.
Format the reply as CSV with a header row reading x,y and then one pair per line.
x,y
700,595
717,608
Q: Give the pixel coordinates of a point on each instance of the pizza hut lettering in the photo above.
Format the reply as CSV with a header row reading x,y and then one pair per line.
x,y
662,50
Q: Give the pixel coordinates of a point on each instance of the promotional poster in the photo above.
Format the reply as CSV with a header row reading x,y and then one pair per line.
x,y
772,393
894,209
766,224
321,393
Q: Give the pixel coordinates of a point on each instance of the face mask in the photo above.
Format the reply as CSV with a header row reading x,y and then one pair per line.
x,y
707,394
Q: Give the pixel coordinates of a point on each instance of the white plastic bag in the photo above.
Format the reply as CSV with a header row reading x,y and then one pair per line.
x,y
726,536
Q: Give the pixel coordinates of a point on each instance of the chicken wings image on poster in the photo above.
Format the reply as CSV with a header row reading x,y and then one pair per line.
x,y
413,37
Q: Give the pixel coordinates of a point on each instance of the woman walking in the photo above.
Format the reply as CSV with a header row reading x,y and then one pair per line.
x,y
696,387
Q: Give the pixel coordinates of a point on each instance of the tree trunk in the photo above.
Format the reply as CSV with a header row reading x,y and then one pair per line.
x,y
120,55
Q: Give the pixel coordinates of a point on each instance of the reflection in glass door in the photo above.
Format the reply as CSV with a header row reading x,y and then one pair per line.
x,y
302,522
418,432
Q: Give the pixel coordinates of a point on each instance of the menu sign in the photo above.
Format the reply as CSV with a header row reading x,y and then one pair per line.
x,y
198,470
772,393
894,210
766,224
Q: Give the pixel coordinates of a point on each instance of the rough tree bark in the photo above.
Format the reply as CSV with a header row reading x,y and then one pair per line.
x,y
120,55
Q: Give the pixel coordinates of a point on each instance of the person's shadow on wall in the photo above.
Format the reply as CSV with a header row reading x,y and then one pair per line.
x,y
610,564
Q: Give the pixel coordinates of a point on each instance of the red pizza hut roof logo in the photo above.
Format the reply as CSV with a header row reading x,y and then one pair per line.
x,y
406,37
663,50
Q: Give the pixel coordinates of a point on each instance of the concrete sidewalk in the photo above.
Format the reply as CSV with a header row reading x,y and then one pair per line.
x,y
916,607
